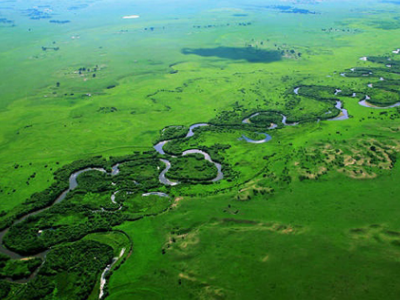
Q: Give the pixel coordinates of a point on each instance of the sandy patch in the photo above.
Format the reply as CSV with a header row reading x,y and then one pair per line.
x,y
265,258
187,277
27,258
176,202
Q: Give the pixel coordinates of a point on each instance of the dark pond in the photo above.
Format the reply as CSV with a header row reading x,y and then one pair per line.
x,y
249,54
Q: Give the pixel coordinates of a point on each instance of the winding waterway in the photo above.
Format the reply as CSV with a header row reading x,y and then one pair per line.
x,y
159,194
162,178
207,157
249,140
103,279
365,103
159,148
73,184
191,132
273,125
344,115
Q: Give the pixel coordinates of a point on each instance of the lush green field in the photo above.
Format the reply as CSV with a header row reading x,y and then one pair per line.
x,y
310,214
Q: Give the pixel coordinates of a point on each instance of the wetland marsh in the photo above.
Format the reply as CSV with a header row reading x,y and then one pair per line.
x,y
199,149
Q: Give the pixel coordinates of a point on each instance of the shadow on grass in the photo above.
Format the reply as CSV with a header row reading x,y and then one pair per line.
x,y
249,54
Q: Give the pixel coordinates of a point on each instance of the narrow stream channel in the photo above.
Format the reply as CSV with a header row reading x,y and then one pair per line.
x,y
73,184
344,115
159,148
103,279
365,103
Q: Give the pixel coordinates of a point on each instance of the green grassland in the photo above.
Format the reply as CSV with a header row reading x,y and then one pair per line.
x,y
310,214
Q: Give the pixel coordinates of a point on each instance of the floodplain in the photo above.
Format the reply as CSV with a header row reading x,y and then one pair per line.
x,y
202,150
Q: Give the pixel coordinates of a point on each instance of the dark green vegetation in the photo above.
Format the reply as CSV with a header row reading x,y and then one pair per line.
x,y
36,234
383,87
45,198
266,118
138,206
381,97
192,168
17,269
322,93
5,288
173,132
71,270
141,173
86,209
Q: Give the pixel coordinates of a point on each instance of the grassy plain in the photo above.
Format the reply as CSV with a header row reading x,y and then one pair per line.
x,y
312,214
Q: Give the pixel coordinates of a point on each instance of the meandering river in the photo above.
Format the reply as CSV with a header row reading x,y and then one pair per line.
x,y
73,184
